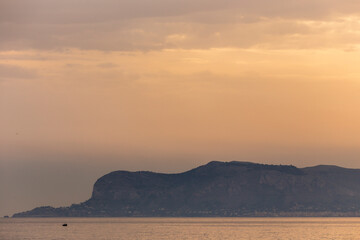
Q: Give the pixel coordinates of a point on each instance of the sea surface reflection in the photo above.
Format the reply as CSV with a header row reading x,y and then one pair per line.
x,y
179,228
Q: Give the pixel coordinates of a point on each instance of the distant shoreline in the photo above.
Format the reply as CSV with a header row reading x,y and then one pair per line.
x,y
220,189
214,217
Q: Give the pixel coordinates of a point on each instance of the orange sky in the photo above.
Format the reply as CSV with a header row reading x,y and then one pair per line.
x,y
169,85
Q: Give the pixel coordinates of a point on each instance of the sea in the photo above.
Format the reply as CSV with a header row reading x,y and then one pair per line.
x,y
179,228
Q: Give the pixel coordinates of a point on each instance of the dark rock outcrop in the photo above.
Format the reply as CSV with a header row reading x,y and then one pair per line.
x,y
220,189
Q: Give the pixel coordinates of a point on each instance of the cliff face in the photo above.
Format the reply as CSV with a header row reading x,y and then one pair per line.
x,y
220,189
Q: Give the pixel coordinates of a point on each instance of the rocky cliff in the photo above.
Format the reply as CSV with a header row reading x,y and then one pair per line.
x,y
220,189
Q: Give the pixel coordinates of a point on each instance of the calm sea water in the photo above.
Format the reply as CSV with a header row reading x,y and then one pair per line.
x,y
179,228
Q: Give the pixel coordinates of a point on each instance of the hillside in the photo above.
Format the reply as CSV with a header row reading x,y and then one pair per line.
x,y
220,189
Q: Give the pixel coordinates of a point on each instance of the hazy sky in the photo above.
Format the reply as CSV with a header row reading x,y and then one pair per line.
x,y
90,86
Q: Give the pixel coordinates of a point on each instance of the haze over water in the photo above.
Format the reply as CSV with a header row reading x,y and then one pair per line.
x,y
179,228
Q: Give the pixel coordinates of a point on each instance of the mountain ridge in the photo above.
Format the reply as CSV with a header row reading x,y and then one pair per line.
x,y
220,189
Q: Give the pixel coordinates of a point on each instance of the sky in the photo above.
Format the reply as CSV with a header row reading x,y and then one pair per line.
x,y
88,87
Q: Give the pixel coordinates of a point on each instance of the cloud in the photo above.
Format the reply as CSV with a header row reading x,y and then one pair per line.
x,y
81,11
14,72
107,65
155,25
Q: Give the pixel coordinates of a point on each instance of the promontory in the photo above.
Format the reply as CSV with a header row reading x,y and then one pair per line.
x,y
220,189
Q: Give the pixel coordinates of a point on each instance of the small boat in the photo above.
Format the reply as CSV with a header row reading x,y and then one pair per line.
x,y
64,225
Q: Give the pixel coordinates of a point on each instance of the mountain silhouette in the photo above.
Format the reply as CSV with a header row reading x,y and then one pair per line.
x,y
220,189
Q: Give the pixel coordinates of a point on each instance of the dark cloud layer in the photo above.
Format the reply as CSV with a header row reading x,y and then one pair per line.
x,y
153,25
15,72
85,11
